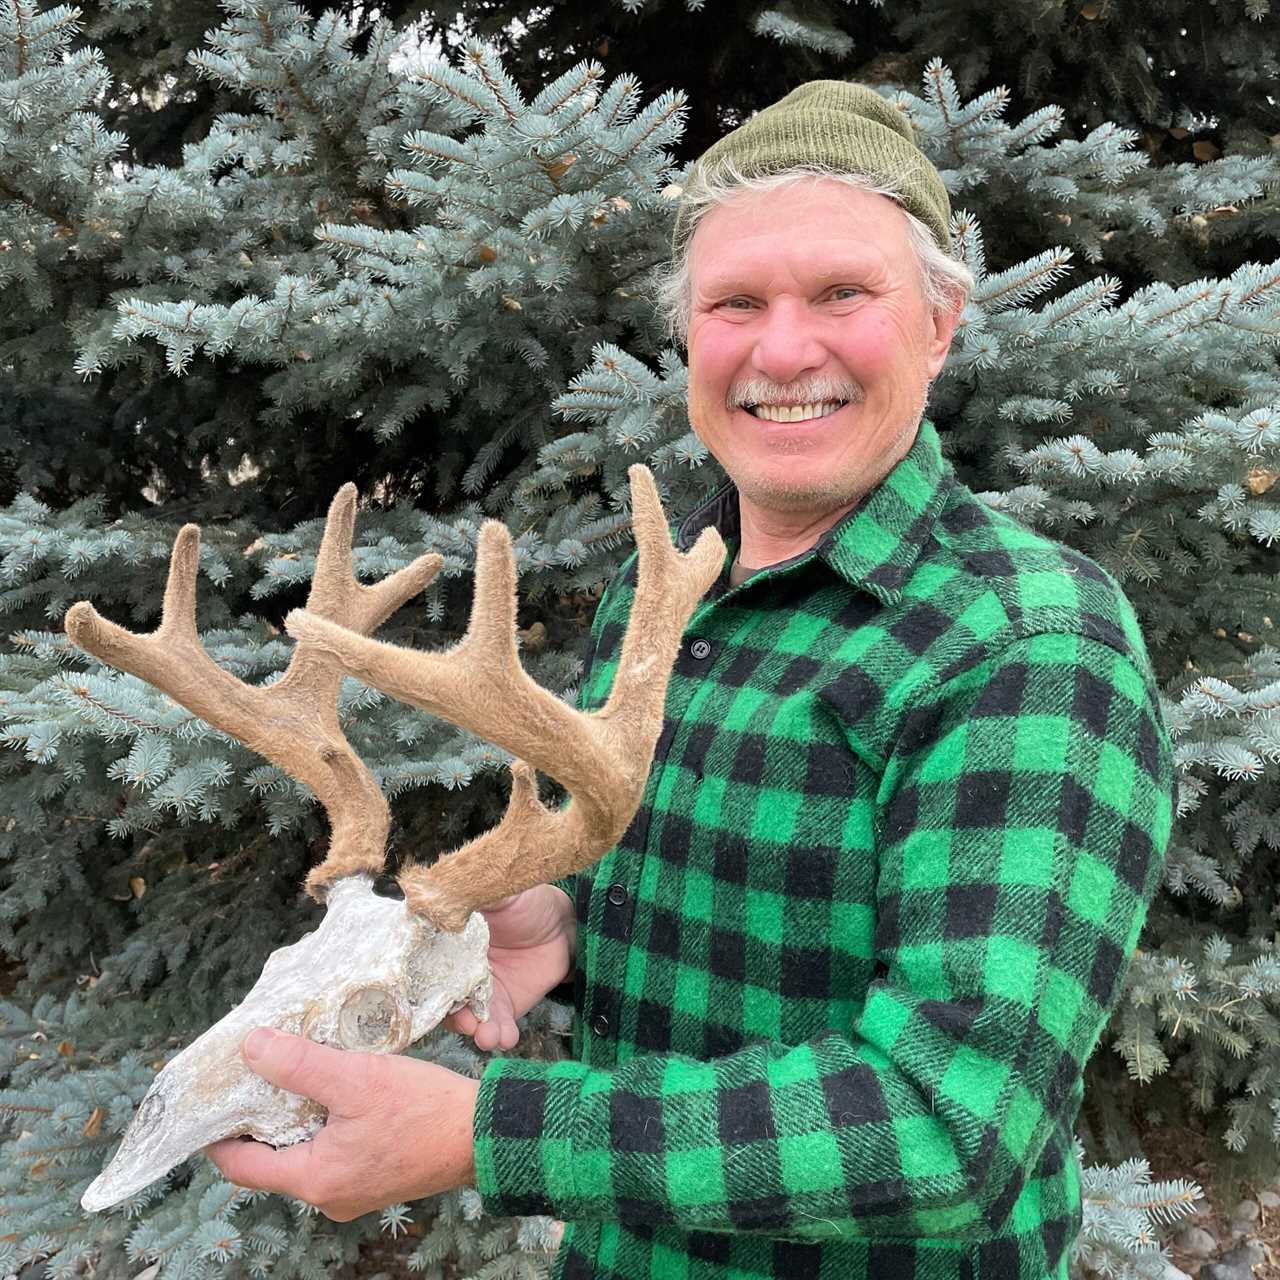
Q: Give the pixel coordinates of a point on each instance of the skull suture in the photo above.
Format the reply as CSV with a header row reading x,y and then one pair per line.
x,y
372,978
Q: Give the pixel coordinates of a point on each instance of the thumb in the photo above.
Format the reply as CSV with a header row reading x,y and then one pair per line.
x,y
300,1065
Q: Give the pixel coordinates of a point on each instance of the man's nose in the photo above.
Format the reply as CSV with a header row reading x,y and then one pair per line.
x,y
787,342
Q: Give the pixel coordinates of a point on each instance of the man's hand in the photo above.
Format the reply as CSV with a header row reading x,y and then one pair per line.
x,y
398,1129
531,937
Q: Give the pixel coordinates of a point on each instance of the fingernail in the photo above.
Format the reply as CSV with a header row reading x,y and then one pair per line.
x,y
256,1042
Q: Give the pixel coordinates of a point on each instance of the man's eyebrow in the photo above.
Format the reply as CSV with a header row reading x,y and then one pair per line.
x,y
748,277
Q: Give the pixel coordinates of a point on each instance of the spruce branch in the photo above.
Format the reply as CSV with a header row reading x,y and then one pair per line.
x,y
482,63
57,216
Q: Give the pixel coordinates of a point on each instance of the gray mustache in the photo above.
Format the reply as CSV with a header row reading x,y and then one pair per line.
x,y
810,391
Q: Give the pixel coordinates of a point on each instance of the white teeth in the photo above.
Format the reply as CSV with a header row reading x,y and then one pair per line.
x,y
795,412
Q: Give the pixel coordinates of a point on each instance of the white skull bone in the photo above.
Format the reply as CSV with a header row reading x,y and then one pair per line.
x,y
372,978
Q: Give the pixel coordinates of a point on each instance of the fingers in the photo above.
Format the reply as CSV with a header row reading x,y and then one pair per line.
x,y
498,1033
263,1168
330,1076
463,1021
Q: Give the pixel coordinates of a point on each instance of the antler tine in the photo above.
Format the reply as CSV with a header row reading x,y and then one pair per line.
x,y
335,590
178,611
294,722
602,759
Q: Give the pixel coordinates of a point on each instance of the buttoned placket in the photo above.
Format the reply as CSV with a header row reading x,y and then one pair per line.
x,y
614,900
617,895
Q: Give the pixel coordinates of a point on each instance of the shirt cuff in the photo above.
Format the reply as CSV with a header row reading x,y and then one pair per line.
x,y
523,1135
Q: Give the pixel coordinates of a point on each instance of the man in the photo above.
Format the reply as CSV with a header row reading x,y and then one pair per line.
x,y
837,984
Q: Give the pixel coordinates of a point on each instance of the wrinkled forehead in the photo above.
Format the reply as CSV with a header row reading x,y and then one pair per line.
x,y
807,221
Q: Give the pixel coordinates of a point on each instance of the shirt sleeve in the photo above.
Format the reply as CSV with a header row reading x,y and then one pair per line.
x,y
1022,820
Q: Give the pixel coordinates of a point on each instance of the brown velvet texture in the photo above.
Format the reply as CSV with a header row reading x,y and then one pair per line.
x,y
294,722
601,759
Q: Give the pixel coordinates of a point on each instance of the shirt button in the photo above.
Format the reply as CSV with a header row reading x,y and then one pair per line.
x,y
600,1024
617,894
700,649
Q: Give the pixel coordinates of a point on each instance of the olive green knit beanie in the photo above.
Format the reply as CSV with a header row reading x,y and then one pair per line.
x,y
841,126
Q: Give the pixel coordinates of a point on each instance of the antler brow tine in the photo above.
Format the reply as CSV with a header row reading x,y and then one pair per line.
x,y
602,759
294,722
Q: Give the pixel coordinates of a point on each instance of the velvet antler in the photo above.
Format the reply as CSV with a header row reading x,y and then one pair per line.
x,y
601,759
294,722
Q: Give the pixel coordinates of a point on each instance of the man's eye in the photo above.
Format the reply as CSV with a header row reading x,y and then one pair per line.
x,y
737,304
845,291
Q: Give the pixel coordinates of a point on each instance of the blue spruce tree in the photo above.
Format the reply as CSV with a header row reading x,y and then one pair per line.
x,y
431,276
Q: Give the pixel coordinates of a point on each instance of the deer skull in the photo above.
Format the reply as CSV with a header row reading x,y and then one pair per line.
x,y
381,971
372,978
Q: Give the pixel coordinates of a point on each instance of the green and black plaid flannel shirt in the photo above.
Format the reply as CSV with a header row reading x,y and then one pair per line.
x,y
837,984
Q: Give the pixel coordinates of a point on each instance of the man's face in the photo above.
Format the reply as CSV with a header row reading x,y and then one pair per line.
x,y
810,296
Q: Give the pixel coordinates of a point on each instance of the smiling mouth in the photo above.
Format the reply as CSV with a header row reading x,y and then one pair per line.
x,y
794,412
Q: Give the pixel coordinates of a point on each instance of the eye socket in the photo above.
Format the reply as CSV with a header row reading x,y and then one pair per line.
x,y
370,1019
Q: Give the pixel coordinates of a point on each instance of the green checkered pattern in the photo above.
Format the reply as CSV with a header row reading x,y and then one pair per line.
x,y
837,984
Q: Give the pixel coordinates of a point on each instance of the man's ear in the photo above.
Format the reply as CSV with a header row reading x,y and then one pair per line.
x,y
942,328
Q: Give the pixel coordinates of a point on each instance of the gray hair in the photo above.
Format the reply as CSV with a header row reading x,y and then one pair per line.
x,y
944,280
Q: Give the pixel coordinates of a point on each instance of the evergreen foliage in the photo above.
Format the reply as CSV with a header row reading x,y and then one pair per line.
x,y
431,277
1121,61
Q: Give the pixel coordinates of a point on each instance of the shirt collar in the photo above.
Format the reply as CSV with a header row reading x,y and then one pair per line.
x,y
875,546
